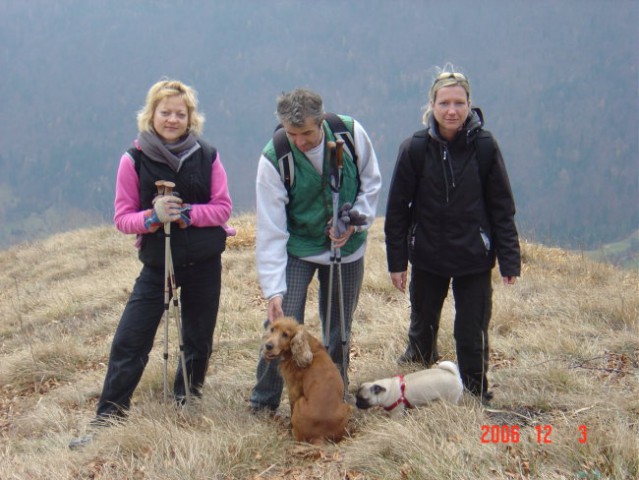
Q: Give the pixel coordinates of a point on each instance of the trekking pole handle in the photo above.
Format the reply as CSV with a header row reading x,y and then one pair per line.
x,y
164,187
339,153
332,152
334,168
336,150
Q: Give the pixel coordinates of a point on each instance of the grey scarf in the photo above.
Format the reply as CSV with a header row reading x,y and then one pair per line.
x,y
171,154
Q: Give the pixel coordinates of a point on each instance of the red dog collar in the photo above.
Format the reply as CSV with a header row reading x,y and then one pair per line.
x,y
402,398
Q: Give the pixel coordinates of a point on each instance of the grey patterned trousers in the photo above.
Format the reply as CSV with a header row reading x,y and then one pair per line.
x,y
267,392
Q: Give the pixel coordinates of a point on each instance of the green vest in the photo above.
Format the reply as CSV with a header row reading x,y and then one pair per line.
x,y
310,207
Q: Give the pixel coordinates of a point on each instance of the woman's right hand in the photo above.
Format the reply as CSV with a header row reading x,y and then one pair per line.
x,y
399,280
167,208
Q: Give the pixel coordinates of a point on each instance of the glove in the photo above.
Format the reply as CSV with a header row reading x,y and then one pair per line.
x,y
167,208
151,221
185,216
356,218
347,216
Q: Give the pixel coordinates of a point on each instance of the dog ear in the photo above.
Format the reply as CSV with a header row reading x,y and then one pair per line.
x,y
377,389
300,349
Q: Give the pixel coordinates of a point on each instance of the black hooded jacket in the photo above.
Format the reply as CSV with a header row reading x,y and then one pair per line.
x,y
446,214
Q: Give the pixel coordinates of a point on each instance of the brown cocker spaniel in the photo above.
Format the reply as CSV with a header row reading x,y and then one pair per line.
x,y
315,387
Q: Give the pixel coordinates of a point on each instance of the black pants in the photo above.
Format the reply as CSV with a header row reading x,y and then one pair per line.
x,y
199,302
473,306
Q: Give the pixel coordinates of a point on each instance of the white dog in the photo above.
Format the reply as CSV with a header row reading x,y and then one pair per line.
x,y
442,381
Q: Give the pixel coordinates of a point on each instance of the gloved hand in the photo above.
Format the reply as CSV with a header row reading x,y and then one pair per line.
x,y
347,216
185,216
167,208
356,218
151,222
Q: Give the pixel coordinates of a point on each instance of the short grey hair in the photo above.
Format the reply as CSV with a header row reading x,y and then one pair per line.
x,y
296,106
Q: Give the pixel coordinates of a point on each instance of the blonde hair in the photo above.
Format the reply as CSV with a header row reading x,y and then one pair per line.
x,y
446,77
170,88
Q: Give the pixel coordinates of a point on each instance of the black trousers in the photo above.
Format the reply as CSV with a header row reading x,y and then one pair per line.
x,y
200,286
473,307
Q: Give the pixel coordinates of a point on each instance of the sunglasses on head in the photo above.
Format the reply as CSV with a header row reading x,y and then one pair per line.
x,y
455,75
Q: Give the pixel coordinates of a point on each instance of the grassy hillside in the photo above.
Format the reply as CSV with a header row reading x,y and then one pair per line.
x,y
564,368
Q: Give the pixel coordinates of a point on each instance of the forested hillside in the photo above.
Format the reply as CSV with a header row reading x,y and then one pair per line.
x,y
557,82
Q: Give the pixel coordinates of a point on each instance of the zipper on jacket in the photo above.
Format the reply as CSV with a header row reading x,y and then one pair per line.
x,y
413,234
485,239
446,163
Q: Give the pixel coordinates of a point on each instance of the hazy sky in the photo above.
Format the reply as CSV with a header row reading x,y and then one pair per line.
x,y
557,80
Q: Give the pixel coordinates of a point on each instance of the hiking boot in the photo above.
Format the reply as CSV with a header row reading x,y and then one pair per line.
x,y
484,397
412,356
407,358
267,412
263,410
99,422
80,442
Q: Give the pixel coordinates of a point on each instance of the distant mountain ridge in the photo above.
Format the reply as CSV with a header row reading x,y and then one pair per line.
x,y
557,82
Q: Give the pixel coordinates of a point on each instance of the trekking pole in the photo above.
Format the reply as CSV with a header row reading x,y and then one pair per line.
x,y
336,161
178,324
161,187
170,290
338,257
333,180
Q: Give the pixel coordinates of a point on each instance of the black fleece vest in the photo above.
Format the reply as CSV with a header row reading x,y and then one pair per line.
x,y
192,185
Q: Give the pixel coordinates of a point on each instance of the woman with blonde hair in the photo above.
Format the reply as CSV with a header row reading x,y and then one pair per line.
x,y
169,148
450,213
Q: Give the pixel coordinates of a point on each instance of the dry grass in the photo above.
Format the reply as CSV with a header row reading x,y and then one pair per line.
x,y
564,349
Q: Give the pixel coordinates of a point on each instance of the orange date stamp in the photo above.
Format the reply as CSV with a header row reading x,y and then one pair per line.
x,y
505,434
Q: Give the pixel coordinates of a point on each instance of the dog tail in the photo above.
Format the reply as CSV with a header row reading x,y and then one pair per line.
x,y
449,366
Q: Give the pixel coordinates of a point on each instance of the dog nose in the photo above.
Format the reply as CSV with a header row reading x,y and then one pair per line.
x,y
361,402
268,346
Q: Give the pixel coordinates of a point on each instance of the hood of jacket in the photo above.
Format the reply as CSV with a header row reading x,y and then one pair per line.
x,y
473,124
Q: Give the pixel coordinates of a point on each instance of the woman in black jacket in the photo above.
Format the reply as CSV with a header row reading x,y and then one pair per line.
x,y
450,212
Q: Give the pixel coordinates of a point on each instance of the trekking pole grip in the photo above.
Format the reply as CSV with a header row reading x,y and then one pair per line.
x,y
164,187
339,153
332,153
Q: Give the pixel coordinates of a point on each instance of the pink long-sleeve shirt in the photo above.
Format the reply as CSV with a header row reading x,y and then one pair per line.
x,y
129,218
